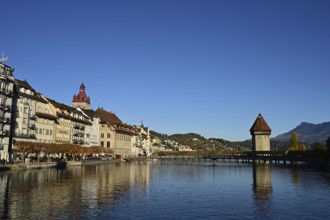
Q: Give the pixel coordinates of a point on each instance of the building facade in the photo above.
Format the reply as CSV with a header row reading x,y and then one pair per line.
x,y
46,120
92,135
63,126
143,140
26,118
115,135
7,116
80,124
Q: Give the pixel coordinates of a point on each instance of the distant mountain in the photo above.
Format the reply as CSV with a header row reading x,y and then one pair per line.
x,y
308,133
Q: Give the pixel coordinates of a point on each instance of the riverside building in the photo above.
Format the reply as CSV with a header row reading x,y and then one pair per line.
x,y
7,118
115,135
27,99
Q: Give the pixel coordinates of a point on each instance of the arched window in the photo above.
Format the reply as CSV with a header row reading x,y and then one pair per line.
x,y
102,144
108,144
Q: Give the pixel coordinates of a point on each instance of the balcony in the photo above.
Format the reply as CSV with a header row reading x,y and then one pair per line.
x,y
8,108
6,121
28,136
33,117
9,93
33,127
5,133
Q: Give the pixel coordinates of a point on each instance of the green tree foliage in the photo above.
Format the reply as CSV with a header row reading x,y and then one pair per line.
x,y
293,141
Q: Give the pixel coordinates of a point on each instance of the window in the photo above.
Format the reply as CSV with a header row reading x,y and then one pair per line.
x,y
102,144
108,144
102,135
108,135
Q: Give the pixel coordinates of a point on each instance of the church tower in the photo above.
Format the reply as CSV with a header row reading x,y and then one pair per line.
x,y
81,100
260,132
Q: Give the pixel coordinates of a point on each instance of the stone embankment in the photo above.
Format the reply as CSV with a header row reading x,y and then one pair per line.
x,y
24,166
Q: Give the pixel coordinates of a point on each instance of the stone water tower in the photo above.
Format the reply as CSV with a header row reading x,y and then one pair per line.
x,y
260,132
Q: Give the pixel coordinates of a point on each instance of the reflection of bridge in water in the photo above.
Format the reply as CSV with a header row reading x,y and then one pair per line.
x,y
249,157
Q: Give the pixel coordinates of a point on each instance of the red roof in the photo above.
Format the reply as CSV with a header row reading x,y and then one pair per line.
x,y
82,96
260,125
108,117
112,119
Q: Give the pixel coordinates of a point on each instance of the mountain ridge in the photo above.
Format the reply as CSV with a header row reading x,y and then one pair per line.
x,y
308,133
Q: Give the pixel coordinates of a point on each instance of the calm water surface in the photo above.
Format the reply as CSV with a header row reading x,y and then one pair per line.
x,y
188,189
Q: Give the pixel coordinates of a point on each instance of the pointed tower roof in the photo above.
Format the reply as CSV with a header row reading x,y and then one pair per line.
x,y
82,96
260,125
81,100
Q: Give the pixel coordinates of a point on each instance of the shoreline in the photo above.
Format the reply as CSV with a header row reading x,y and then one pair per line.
x,y
58,165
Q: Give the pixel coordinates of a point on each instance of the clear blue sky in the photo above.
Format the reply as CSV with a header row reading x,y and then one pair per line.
x,y
204,66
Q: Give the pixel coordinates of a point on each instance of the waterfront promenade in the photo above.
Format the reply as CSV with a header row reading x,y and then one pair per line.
x,y
41,165
247,157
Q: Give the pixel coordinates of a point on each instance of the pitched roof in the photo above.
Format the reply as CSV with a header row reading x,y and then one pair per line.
x,y
61,105
260,125
47,116
107,117
90,113
26,85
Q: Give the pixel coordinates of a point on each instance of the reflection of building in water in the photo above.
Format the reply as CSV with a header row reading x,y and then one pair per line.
x,y
44,190
113,181
4,195
65,194
262,185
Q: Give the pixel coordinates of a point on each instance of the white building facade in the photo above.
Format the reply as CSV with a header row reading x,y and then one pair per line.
x,y
7,117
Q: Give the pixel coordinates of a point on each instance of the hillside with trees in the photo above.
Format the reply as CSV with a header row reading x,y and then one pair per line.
x,y
198,142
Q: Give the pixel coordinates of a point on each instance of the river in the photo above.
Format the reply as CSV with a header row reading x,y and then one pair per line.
x,y
166,189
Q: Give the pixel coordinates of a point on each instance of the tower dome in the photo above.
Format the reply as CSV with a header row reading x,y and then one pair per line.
x,y
81,100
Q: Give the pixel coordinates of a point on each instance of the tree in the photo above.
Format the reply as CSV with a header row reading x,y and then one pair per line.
x,y
302,147
328,143
318,146
293,141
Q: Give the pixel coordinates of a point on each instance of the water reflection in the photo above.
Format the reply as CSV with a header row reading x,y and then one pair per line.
x,y
262,187
68,194
165,190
